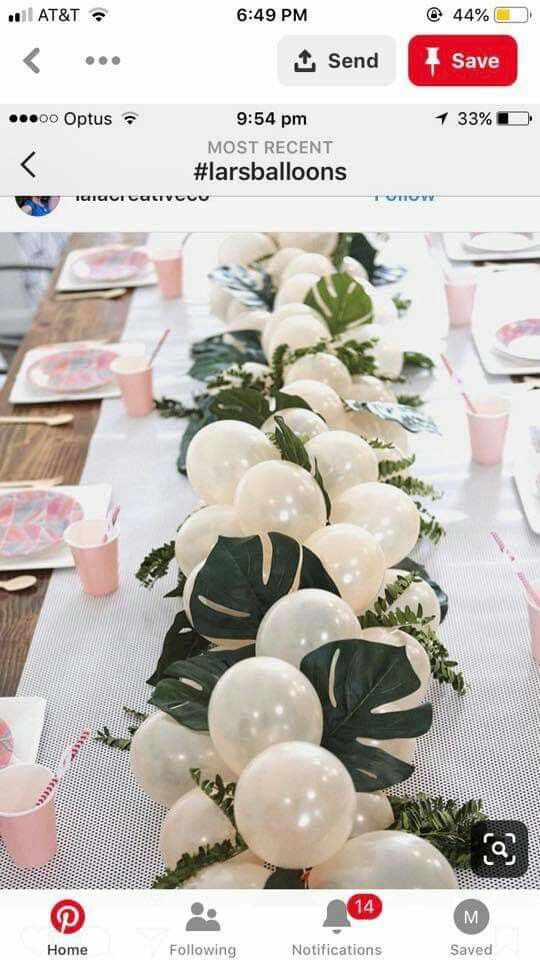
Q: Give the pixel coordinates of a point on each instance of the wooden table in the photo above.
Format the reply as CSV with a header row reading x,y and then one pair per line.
x,y
28,452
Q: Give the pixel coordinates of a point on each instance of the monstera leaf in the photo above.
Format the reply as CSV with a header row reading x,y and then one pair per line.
x,y
214,354
241,579
251,286
352,678
413,567
341,301
409,417
250,405
185,690
181,643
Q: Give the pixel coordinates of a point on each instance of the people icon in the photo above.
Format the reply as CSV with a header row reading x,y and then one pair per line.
x,y
200,924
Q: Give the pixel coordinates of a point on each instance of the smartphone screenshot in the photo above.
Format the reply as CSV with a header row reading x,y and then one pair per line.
x,y
269,481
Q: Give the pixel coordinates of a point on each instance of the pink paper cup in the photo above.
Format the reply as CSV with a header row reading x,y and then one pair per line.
x,y
534,623
96,562
169,266
29,832
134,378
460,296
487,429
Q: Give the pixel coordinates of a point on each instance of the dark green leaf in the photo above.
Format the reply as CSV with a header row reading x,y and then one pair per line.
x,y
233,590
288,401
341,302
250,285
414,359
238,403
181,643
414,567
293,450
341,251
447,824
185,690
285,880
156,564
352,678
214,354
408,417
190,865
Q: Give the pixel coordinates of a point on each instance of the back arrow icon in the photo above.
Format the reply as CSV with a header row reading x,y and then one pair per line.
x,y
25,161
29,60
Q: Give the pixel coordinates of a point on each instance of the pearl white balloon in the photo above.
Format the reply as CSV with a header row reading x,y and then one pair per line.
x,y
373,812
194,821
385,512
324,243
199,533
302,422
393,454
385,860
384,307
281,314
416,656
296,288
297,333
354,561
343,459
295,805
388,357
260,702
369,388
367,425
281,497
249,320
418,594
219,301
244,248
280,261
294,310
230,876
303,621
309,263
221,453
323,367
162,754
356,270
320,397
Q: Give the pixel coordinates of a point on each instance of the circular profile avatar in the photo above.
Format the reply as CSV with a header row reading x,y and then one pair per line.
x,y
37,206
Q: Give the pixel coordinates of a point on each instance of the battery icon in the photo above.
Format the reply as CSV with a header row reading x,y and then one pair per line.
x,y
514,118
511,14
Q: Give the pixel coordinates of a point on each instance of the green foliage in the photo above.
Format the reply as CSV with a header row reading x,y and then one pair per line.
x,y
277,365
402,304
356,356
387,468
414,487
181,643
410,399
293,450
167,407
156,564
377,444
219,792
429,525
341,251
190,864
352,678
215,354
252,286
414,567
341,302
407,417
414,359
282,879
237,403
108,739
446,824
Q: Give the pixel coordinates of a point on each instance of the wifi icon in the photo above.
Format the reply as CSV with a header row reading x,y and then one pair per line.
x,y
130,118
98,14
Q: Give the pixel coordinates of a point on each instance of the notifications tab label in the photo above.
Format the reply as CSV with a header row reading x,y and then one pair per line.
x,y
456,61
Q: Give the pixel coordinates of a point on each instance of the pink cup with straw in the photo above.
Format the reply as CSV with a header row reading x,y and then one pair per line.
x,y
134,377
460,296
488,423
29,831
94,546
169,266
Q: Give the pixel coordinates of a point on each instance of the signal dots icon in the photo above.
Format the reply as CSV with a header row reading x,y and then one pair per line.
x,y
33,118
103,61
130,117
98,14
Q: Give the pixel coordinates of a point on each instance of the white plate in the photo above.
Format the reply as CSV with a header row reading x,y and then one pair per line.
x,y
501,242
25,717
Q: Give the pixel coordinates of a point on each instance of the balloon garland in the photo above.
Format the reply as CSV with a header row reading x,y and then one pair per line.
x,y
291,687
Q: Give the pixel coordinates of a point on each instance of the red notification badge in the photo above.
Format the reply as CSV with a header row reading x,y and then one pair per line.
x,y
364,906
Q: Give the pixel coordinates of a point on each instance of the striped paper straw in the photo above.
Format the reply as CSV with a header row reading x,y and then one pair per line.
x,y
459,382
535,597
158,347
64,764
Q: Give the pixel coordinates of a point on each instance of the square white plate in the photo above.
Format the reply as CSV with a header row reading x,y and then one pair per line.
x,y
68,283
94,499
526,469
25,392
455,250
25,717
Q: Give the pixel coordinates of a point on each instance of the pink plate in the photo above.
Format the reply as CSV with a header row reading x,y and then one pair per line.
x,y
34,520
69,371
109,264
520,339
6,745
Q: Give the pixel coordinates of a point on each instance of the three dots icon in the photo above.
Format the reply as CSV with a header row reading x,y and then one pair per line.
x,y
103,61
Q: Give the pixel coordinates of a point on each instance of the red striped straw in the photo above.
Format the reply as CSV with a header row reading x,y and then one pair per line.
x,y
459,382
64,764
158,347
534,596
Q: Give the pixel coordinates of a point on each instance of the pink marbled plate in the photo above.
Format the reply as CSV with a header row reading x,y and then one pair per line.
x,y
69,371
109,265
6,744
519,339
32,521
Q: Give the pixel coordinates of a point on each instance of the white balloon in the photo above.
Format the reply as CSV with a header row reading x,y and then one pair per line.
x,y
199,534
323,367
388,357
294,310
309,263
416,656
219,301
244,248
235,310
395,455
302,422
281,314
385,860
367,425
385,512
295,805
343,459
385,309
221,453
296,288
297,333
320,397
162,754
356,270
194,821
230,876
280,261
259,702
324,243
249,320
303,621
353,559
365,387
280,497
373,812
418,594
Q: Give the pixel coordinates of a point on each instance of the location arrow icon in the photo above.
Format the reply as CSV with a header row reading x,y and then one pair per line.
x,y
442,117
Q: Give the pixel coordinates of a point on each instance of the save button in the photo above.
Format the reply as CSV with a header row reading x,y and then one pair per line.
x,y
456,61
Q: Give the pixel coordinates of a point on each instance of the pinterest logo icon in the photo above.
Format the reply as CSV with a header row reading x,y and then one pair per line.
x,y
67,916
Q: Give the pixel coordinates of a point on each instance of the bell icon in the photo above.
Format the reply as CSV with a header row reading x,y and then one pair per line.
x,y
336,916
